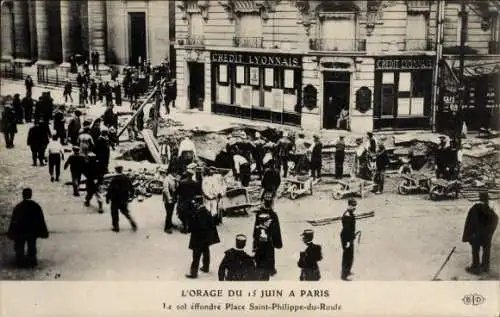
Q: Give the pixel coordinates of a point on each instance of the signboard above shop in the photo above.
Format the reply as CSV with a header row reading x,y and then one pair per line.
x,y
404,63
289,61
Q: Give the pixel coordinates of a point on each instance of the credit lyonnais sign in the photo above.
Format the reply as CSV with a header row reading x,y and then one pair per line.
x,y
404,63
256,59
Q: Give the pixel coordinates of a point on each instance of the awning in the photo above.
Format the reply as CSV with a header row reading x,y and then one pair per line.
x,y
475,68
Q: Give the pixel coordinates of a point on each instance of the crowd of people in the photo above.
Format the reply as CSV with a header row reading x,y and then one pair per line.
x,y
195,193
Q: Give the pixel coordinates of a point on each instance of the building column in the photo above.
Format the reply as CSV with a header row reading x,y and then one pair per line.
x,y
69,29
97,28
6,30
43,32
22,41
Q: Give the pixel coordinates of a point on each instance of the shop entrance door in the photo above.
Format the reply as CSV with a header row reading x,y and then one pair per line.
x,y
137,37
336,91
196,85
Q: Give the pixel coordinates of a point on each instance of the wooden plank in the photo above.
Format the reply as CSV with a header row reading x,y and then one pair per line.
x,y
152,145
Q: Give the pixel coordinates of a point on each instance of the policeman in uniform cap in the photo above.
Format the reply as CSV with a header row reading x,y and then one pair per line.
x,y
266,238
309,258
347,236
237,265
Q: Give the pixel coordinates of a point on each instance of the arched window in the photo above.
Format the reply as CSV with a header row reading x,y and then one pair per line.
x,y
338,26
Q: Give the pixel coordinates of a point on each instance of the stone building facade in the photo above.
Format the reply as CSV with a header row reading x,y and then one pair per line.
x,y
303,63
50,31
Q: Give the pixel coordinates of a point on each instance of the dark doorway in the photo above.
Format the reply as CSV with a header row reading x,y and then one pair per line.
x,y
196,85
336,92
137,39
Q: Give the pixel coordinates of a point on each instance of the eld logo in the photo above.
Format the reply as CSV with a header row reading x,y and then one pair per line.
x,y
473,299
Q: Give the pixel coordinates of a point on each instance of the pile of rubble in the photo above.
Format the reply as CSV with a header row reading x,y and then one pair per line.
x,y
146,182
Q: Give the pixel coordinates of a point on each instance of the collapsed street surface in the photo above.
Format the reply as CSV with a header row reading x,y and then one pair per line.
x,y
408,238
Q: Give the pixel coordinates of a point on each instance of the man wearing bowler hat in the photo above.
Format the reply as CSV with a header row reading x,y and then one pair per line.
x,y
237,265
347,236
479,227
309,258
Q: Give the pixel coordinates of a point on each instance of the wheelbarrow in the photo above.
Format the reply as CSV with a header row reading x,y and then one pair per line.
x,y
299,186
352,186
411,183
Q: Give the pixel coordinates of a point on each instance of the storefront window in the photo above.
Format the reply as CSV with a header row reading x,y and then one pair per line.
x,y
258,86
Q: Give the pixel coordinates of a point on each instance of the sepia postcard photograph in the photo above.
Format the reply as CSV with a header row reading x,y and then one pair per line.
x,y
254,157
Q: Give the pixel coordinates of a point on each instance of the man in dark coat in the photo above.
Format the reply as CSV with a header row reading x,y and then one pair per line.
x,y
18,108
108,116
93,92
285,147
68,88
258,153
309,258
479,227
119,191
76,162
9,127
381,163
74,127
28,83
90,171
339,157
237,265
187,192
316,158
28,105
347,236
59,128
266,238
27,224
38,139
203,235
442,158
271,178
102,151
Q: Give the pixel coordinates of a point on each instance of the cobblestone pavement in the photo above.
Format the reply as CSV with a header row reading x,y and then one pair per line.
x,y
408,239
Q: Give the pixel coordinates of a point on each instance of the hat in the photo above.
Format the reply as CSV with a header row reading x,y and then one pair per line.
x,y
483,196
352,202
307,234
316,137
263,216
241,237
76,148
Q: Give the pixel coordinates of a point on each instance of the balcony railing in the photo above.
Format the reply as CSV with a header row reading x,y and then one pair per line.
x,y
250,42
493,47
325,44
195,40
419,45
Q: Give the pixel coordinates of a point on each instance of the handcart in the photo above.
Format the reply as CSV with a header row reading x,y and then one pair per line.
x,y
356,186
298,186
440,188
414,182
235,202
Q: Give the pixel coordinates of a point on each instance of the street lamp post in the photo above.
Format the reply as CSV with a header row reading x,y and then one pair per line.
x,y
461,88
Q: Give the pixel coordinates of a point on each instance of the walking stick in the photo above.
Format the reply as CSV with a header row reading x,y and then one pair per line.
x,y
444,263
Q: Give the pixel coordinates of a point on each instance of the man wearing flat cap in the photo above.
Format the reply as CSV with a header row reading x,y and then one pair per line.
x,y
309,258
480,225
187,191
237,265
266,238
347,236
119,191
